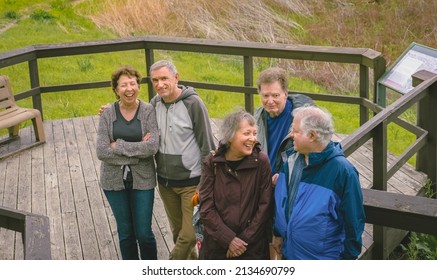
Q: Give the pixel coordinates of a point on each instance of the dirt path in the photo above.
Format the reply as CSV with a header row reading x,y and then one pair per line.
x,y
7,26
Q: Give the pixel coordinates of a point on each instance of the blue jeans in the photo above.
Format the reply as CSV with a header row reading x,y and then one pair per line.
x,y
133,214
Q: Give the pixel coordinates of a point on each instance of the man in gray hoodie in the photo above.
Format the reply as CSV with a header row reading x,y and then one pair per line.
x,y
185,138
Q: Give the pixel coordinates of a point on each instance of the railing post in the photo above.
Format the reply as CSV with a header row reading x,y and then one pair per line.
x,y
34,83
379,143
364,92
248,82
426,115
380,241
379,92
380,157
150,59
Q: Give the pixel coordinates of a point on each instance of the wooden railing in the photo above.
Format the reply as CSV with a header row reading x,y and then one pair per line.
x,y
394,210
34,229
365,59
381,207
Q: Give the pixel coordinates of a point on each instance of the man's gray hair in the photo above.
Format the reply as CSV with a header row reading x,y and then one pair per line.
x,y
164,63
315,119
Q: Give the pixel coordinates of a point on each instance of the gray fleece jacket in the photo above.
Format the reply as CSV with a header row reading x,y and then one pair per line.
x,y
185,138
138,155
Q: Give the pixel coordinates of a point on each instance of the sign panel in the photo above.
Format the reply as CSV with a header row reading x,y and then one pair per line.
x,y
416,57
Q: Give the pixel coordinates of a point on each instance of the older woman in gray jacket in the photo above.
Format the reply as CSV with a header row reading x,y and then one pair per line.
x,y
127,141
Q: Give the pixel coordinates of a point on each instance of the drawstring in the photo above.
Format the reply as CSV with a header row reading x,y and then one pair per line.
x,y
126,170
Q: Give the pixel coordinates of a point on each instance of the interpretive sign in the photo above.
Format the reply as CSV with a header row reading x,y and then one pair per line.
x,y
417,57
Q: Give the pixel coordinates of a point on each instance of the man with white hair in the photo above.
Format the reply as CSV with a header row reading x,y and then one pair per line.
x,y
319,205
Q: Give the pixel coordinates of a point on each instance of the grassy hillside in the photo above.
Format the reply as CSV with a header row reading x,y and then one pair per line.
x,y
388,26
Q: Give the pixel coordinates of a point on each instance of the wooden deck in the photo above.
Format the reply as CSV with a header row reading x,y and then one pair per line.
x,y
59,179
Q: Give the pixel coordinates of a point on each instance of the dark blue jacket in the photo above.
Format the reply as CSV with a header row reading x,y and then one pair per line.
x,y
327,218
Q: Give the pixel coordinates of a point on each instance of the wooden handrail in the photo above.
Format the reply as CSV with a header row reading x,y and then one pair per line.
x,y
413,213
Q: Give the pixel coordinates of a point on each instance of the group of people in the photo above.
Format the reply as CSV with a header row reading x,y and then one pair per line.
x,y
276,179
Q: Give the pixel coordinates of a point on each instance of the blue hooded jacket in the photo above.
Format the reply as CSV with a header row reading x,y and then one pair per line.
x,y
327,215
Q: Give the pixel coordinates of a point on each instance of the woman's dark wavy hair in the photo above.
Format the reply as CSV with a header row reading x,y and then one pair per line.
x,y
124,70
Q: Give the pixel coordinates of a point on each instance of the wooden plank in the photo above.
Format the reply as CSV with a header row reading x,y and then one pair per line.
x,y
86,131
3,247
163,250
88,238
412,178
38,184
164,227
94,126
37,238
53,202
2,179
91,126
24,191
73,249
7,237
108,210
364,172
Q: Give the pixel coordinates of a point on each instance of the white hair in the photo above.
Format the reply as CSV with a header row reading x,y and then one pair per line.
x,y
315,119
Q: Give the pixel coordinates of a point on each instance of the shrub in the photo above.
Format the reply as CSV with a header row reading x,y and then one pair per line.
x,y
41,15
11,15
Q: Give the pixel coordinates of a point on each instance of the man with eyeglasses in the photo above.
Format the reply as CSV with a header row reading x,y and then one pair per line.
x,y
274,117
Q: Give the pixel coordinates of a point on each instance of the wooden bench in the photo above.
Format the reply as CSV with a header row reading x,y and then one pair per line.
x,y
11,116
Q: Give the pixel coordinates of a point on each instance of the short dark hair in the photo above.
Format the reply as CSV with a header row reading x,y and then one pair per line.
x,y
124,70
